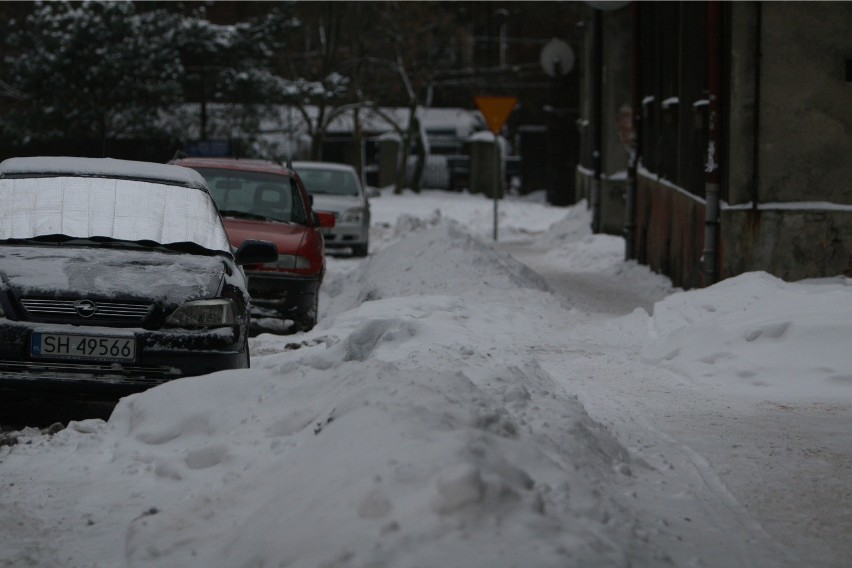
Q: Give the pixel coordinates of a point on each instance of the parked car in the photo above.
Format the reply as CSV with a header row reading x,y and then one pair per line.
x,y
337,188
116,276
264,200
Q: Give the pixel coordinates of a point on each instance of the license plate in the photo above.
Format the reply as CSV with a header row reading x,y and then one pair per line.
x,y
88,347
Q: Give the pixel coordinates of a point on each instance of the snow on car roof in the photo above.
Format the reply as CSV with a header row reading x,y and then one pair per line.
x,y
101,167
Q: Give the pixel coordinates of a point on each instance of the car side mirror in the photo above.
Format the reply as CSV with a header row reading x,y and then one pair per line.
x,y
256,252
325,219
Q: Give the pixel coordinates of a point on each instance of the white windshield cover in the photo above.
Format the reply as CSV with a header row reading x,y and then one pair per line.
x,y
102,207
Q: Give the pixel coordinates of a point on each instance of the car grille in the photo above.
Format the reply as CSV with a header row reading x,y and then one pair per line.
x,y
66,310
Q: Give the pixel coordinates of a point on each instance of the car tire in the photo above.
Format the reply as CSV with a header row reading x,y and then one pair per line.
x,y
360,250
307,321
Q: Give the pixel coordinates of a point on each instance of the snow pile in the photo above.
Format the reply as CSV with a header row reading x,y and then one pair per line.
x,y
570,244
568,231
410,428
756,332
518,217
435,257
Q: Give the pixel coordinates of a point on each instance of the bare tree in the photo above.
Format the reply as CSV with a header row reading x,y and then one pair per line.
x,y
367,56
316,87
410,42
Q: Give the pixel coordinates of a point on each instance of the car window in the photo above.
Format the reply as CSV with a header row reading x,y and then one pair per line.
x,y
333,182
255,195
119,209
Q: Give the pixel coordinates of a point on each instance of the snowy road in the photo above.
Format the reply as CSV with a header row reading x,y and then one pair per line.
x,y
778,472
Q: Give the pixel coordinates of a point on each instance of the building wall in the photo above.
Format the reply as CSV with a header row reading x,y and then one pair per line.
x,y
617,81
617,88
805,102
788,87
741,109
787,121
788,189
616,77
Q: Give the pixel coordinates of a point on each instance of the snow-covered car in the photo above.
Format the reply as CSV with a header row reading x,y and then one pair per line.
x,y
116,276
264,200
337,188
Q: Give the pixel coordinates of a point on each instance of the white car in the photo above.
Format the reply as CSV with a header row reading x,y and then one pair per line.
x,y
337,188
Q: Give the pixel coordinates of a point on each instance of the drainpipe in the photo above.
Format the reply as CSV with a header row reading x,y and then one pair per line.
x,y
635,151
755,149
597,117
709,258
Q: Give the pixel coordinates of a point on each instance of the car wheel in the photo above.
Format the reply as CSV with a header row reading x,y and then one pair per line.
x,y
359,250
307,320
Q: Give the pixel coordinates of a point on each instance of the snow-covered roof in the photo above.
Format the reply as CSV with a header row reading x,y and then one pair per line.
x,y
463,122
101,167
322,165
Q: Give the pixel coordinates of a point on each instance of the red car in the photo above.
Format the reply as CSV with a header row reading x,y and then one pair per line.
x,y
267,201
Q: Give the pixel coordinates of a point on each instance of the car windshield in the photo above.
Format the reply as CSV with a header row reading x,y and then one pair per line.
x,y
255,195
107,208
332,182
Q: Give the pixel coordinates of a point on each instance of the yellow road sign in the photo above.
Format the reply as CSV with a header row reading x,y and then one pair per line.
x,y
496,110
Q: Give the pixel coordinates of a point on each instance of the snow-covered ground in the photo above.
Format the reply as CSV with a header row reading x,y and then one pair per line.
x,y
456,408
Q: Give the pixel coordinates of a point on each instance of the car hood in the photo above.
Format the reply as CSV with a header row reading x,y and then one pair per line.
x,y
286,236
109,273
336,203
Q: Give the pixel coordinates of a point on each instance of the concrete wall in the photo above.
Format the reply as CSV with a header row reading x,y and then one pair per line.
x,y
617,88
789,93
791,244
486,167
388,158
788,87
617,96
742,110
805,102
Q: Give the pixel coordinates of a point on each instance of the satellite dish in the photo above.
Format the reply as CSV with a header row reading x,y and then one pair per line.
x,y
557,58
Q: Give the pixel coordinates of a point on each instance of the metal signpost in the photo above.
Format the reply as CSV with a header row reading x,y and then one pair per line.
x,y
496,110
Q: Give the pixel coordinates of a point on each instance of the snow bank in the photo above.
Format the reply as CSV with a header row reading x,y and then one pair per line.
x,y
410,428
756,333
518,217
435,257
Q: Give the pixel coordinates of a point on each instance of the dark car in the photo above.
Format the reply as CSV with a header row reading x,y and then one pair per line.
x,y
116,276
265,200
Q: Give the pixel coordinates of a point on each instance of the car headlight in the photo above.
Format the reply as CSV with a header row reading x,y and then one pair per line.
x,y
352,216
289,262
208,313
